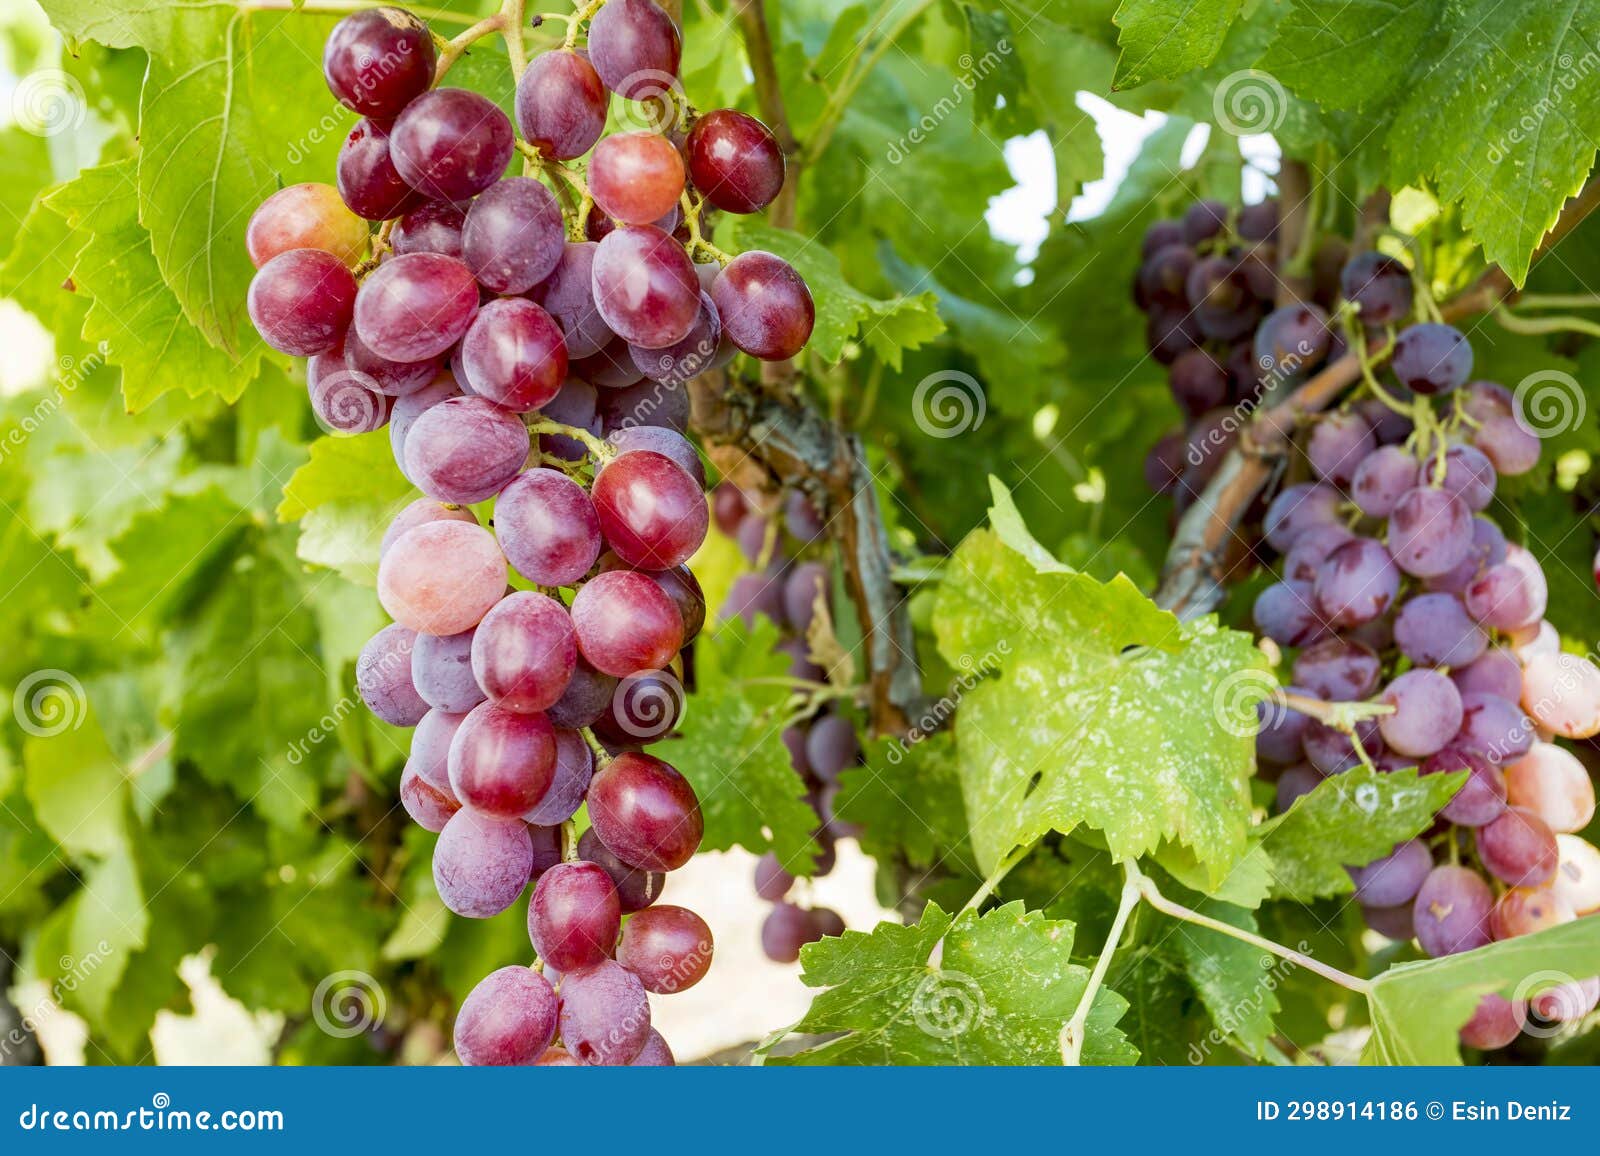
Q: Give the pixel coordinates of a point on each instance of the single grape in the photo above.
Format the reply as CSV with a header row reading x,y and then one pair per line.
x,y
305,216
1495,1022
651,511
514,236
1562,693
450,144
752,596
625,623
368,181
1278,740
1164,277
1427,713
548,528
1552,783
1481,798
1469,474
1203,220
415,307
634,46
1296,509
764,304
1512,448
1566,1002
655,1054
465,449
561,104
442,670
441,577
1494,727
636,889
412,406
668,948
688,358
1391,922
1395,878
1431,358
666,442
430,748
801,589
383,677
1310,552
645,287
649,403
509,1018
1357,584
574,768
587,697
524,652
1381,479
574,916
568,296
786,930
1435,630
1488,549
734,161
605,1014
514,355
1169,331
1197,382
772,882
481,864
636,177
301,301
1430,532
502,762
645,812
1163,465
611,369
1292,340
1451,911
831,746
1339,443
1518,848
1496,672
1540,638
1577,877
378,61
1379,286
1525,910
678,584
429,807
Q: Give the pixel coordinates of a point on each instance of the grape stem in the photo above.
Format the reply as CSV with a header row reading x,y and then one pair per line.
x,y
697,243
1074,1030
580,16
598,448
1341,716
601,755
1563,323
569,840
339,7
512,18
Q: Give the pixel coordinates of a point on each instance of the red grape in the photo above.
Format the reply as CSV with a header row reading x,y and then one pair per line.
x,y
513,237
548,528
305,216
561,105
450,144
668,948
301,301
636,177
636,889
605,1014
635,47
765,307
645,287
378,61
524,652
368,180
415,307
429,807
502,762
651,511
431,228
574,916
645,812
625,624
735,161
513,354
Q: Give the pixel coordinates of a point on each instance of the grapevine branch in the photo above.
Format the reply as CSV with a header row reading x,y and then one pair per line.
x,y
1191,580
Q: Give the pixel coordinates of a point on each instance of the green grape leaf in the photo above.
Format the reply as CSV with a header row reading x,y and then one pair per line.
x,y
729,748
1349,820
135,319
1106,711
1162,39
844,313
78,790
37,271
344,497
109,923
990,989
1237,982
906,798
1498,104
1417,1008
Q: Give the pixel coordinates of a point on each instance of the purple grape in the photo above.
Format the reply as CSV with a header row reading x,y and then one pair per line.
x,y
1310,552
634,46
1518,848
650,403
1197,382
636,889
574,916
1164,276
340,401
655,1054
1297,509
1508,444
666,442
415,307
605,1014
1468,474
786,930
1481,797
645,709
587,697
1285,613
831,746
451,144
1391,922
1427,713
1496,672
428,806
1331,751
481,864
431,228
567,294
301,301
430,749
407,409
524,652
442,670
514,235
1379,286
1169,332
1338,444
685,359
1357,584
645,287
1507,596
772,881
1431,358
1495,727
1451,911
514,355
1292,340
1278,740
368,180
1488,549
735,161
1159,235
1430,532
1395,878
754,595
378,61
383,677
1381,479
1203,220
1435,630
765,307
465,449
561,105
800,590
1163,465
1295,782
394,378
574,768
548,528
508,1019
575,405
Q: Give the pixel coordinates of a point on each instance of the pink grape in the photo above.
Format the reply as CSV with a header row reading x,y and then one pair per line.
x,y
1358,583
1495,1022
1495,672
668,948
636,177
1518,848
508,1019
1426,716
342,405
429,807
383,677
645,812
465,449
1577,877
430,748
1381,478
481,864
605,1014
378,61
1512,448
1481,798
655,1054
1562,693
1468,474
735,161
502,762
1504,597
574,768
513,236
1451,911
568,296
451,144
645,287
574,916
368,181
1552,783
301,301
1526,910
626,624
651,511
415,307
514,355
548,528
561,105
633,45
441,577
305,216
524,652
765,307
419,512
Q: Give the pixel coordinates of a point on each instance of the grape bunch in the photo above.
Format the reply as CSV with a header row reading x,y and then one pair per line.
x,y
786,592
535,353
1396,588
